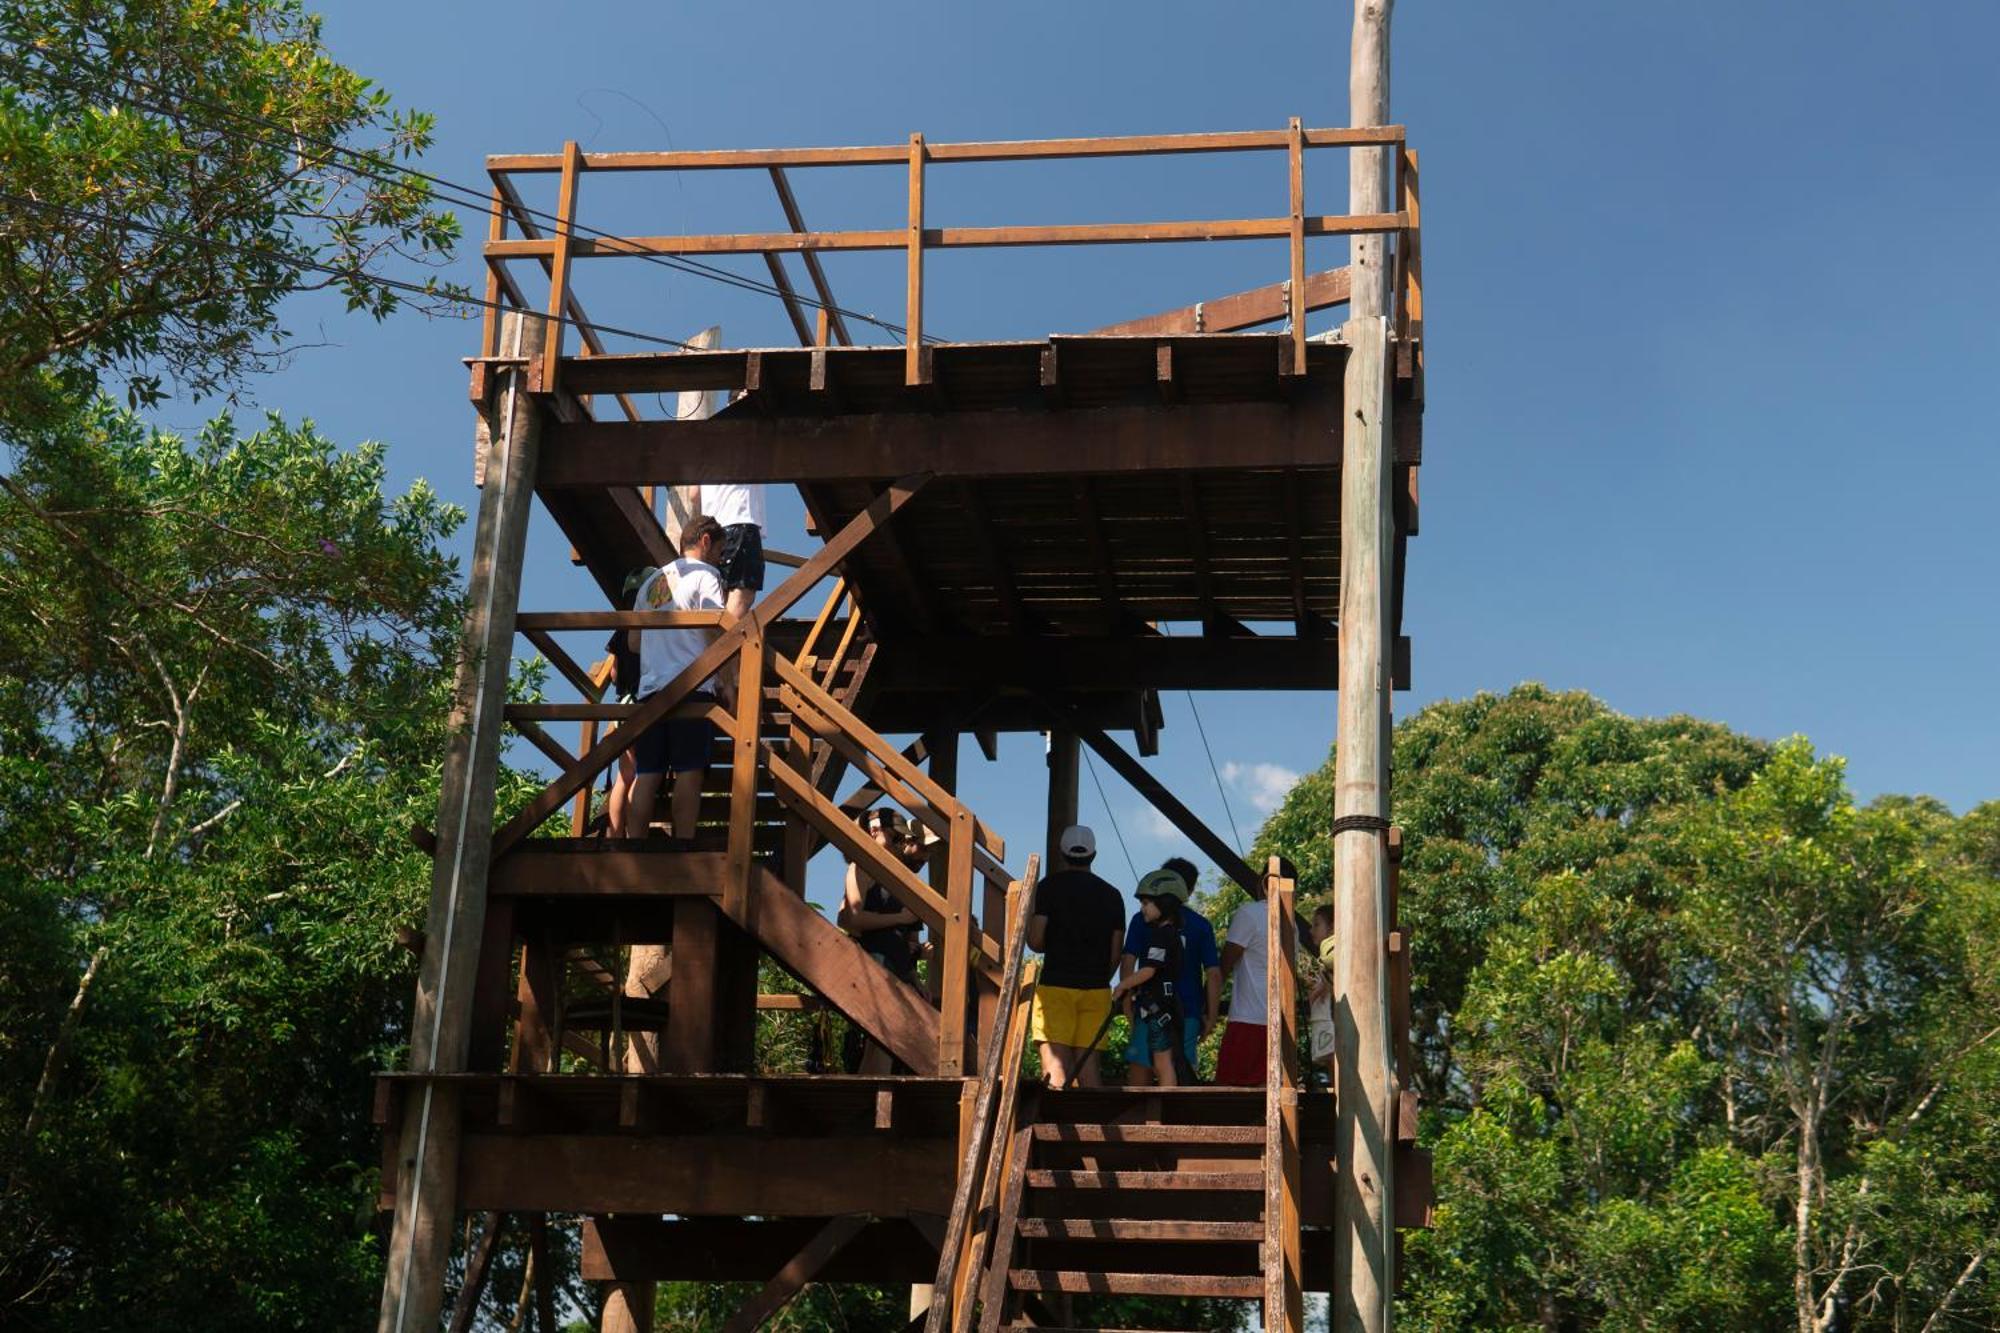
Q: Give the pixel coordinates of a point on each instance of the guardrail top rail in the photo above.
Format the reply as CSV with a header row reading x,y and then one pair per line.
x,y
555,246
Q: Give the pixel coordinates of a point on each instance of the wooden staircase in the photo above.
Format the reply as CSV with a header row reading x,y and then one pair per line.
x,y
1131,1207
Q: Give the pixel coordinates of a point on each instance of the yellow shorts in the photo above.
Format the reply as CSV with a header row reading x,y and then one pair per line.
x,y
1068,1017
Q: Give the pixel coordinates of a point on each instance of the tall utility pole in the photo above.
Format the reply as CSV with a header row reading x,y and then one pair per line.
x,y
1364,1212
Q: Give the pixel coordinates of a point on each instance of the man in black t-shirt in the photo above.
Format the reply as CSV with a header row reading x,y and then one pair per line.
x,y
1078,926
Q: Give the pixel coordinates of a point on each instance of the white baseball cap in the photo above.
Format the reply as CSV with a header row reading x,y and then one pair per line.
x,y
1078,843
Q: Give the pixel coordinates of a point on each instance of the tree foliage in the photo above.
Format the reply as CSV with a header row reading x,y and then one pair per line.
x,y
1704,1045
222,711
169,173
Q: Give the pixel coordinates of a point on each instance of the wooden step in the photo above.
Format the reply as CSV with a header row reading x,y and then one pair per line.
x,y
1146,1180
1134,1228
1149,1134
1082,1282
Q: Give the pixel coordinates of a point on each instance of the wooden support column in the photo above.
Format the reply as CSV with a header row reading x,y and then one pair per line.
x,y
1064,755
689,1047
1364,1186
1284,1287
420,1238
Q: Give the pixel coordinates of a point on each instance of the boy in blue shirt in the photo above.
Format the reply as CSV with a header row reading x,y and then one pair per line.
x,y
1200,982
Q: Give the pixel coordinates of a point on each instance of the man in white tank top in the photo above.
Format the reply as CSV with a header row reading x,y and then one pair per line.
x,y
740,511
677,746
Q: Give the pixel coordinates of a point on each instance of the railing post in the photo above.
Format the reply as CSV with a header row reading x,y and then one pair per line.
x,y
913,305
956,964
544,380
1284,1295
743,780
1295,288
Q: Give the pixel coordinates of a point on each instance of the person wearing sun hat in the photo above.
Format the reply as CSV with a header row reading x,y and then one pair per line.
x,y
1075,926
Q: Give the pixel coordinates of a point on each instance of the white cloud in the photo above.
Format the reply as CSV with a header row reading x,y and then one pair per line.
x,y
1153,824
1263,785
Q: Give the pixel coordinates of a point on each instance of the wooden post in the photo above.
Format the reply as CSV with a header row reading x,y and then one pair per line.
x,y
913,301
1284,1290
1063,756
1364,1188
689,1047
440,1026
551,359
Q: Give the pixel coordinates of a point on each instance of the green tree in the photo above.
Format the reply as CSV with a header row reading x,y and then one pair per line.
x,y
169,174
211,762
1704,1046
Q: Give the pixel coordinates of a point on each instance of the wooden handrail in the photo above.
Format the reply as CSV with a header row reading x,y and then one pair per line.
x,y
948,1295
1284,1300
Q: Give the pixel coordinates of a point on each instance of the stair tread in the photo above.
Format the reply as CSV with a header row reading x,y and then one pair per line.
x,y
1084,1281
1043,1178
1135,1228
1149,1133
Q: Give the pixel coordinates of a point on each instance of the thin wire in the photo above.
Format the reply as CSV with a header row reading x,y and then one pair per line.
x,y
472,198
310,266
1235,833
1130,865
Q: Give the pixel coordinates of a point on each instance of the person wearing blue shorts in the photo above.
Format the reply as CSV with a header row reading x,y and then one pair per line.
x,y
1200,981
676,745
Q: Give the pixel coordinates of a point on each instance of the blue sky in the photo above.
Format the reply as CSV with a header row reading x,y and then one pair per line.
x,y
1709,311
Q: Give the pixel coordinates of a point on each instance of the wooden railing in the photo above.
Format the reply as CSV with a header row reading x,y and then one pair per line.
x,y
766,682
970,1230
1284,1295
556,248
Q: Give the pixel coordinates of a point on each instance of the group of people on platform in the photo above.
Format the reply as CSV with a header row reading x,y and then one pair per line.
x,y
721,568
1169,976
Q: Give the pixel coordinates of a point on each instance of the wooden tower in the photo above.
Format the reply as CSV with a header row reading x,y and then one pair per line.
x,y
1007,530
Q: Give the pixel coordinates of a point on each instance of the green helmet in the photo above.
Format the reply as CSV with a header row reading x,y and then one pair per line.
x,y
1162,884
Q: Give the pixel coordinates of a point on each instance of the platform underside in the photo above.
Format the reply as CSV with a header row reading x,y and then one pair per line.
x,y
1108,514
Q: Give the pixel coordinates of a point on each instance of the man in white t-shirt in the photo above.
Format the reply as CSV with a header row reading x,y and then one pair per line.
x,y
740,511
1245,962
679,746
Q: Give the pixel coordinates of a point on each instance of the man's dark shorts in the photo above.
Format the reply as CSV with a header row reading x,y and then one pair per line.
x,y
676,744
742,557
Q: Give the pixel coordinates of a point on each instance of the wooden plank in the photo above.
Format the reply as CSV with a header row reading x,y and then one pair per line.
x,y
913,244
993,1292
1284,1295
1148,1134
743,777
1296,284
477,1265
955,960
800,1269
995,151
955,238
1082,1283
557,753
560,249
1107,1228
1239,310
728,1249
837,968
829,309
886,1175
1051,1179
783,282
1097,442
600,868
781,599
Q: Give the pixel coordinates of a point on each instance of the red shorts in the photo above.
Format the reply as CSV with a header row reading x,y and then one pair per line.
x,y
1240,1062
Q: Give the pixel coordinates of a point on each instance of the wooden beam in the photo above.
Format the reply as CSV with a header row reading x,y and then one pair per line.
x,y
1018,150
1168,231
728,1249
829,308
1240,310
1226,858
477,1265
1061,811
1090,519
783,282
1070,443
656,706
693,1175
800,1269
440,1021
972,500
1116,664
688,1045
